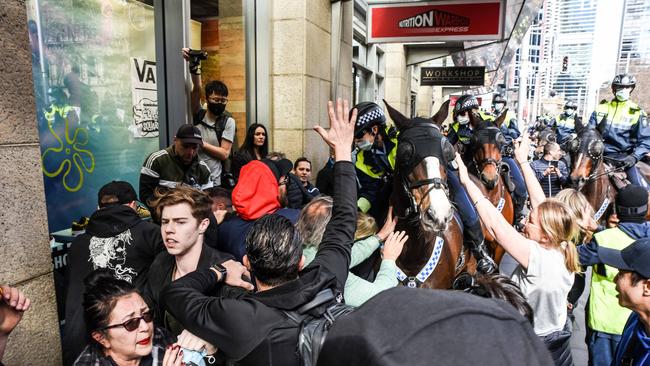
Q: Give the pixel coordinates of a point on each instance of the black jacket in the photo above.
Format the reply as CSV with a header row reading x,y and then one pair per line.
x,y
297,194
160,275
251,328
116,238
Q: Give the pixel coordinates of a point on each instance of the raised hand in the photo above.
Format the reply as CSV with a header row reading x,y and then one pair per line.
x,y
394,245
389,225
463,175
235,274
522,149
341,133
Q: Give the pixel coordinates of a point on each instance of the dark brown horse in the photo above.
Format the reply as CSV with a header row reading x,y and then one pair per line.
x,y
589,173
434,254
483,159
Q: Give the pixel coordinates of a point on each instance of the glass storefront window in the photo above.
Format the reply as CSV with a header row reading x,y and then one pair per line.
x,y
217,27
94,71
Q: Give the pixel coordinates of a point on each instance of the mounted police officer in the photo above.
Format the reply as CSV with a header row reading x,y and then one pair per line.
x,y
626,135
565,123
511,132
461,131
376,144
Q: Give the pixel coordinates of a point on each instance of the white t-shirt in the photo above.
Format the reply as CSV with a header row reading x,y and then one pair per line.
x,y
546,284
210,136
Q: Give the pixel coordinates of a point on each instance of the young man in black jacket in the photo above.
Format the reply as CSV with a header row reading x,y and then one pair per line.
x,y
251,328
183,213
116,238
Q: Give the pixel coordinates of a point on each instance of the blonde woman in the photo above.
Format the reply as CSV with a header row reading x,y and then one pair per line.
x,y
546,254
584,213
366,226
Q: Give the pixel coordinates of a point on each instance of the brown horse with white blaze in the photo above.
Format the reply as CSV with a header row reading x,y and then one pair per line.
x,y
434,254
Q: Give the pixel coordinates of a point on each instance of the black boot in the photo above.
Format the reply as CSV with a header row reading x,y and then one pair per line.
x,y
474,240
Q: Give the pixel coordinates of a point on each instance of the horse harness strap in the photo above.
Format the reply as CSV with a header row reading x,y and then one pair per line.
x,y
603,206
500,204
427,270
438,183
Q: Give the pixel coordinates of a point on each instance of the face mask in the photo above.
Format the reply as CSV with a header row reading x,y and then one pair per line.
x,y
364,145
569,112
463,120
216,108
498,107
623,94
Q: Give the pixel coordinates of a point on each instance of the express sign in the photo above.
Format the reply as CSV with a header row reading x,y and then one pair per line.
x,y
435,21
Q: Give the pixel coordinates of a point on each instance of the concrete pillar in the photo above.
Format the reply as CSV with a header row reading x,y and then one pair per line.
x,y
397,81
301,75
24,248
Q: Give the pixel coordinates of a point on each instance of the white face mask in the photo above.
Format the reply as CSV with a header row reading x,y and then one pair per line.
x,y
364,145
569,112
623,94
463,120
498,107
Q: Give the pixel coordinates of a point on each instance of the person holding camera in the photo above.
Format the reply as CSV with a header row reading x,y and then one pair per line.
x,y
551,172
216,124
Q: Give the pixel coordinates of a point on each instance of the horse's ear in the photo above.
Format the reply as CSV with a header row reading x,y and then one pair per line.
x,y
475,119
578,125
602,125
501,118
401,122
442,113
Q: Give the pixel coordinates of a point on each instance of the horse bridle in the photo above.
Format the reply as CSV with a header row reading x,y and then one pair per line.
x,y
480,165
414,207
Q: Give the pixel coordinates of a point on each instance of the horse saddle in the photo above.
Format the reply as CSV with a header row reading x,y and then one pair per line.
x,y
617,177
507,179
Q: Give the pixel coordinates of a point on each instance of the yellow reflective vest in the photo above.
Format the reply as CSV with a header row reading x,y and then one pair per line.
x,y
605,314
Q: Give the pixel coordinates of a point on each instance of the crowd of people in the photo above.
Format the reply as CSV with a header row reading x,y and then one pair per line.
x,y
242,252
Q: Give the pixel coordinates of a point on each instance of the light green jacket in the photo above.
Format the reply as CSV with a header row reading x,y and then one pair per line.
x,y
357,290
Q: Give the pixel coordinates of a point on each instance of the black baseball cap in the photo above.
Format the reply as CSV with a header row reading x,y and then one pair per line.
x,y
189,133
280,168
635,257
116,193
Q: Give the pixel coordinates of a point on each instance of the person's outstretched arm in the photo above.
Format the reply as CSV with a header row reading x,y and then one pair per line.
x,y
510,239
334,250
535,192
195,94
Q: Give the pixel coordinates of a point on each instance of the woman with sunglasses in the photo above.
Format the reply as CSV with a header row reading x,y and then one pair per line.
x,y
545,252
120,326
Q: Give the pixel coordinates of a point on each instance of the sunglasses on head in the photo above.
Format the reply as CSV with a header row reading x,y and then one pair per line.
x,y
133,323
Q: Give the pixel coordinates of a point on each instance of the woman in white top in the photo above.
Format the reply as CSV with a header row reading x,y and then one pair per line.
x,y
546,253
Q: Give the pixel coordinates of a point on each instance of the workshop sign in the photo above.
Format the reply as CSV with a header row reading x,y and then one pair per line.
x,y
435,21
471,75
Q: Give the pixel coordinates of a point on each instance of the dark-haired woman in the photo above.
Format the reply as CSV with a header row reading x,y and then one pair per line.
x,y
255,147
120,325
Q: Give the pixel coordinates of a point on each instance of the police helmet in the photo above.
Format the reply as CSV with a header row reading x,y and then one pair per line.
x,y
624,81
499,99
465,103
368,114
570,104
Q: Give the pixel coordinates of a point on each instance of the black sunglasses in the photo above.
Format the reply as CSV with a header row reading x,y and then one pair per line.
x,y
133,323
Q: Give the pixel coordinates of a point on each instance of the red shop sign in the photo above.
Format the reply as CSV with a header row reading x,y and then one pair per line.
x,y
463,20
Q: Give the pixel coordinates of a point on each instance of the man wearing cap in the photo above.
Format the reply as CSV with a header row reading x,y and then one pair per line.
x,y
260,190
633,287
376,147
177,164
624,127
606,319
116,238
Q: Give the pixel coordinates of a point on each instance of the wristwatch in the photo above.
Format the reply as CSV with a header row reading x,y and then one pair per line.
x,y
222,270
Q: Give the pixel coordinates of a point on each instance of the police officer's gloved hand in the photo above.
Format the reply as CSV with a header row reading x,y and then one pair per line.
x,y
629,161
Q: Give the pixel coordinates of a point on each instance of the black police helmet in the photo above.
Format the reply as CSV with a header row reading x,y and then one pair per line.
x,y
368,114
623,81
465,103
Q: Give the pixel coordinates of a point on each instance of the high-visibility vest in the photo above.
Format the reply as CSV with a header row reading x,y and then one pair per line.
x,y
366,169
605,314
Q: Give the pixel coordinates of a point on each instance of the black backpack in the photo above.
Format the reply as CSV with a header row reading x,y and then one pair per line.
x,y
219,127
315,324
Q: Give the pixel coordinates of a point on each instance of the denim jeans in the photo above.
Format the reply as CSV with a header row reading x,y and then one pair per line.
x,y
602,347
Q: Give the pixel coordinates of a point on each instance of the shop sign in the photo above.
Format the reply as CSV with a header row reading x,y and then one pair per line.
x,y
435,21
470,75
144,98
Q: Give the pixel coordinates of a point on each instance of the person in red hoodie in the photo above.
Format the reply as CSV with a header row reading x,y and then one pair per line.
x,y
261,189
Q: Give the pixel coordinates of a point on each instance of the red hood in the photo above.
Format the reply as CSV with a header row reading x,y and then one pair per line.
x,y
256,192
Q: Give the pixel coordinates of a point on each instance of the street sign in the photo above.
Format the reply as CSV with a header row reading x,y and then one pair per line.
x,y
467,20
471,75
